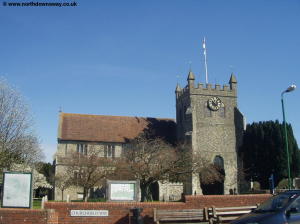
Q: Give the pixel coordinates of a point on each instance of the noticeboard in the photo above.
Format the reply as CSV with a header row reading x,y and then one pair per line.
x,y
120,190
17,190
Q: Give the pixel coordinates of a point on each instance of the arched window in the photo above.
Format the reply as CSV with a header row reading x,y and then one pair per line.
x,y
219,161
207,111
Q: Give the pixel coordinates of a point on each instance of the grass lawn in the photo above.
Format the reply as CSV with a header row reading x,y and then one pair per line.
x,y
37,203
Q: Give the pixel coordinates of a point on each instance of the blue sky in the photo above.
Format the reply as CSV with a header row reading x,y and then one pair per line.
x,y
125,57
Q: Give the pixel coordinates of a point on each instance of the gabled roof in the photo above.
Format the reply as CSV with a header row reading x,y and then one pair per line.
x,y
103,128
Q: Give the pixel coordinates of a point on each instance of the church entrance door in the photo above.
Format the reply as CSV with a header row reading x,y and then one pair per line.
x,y
212,178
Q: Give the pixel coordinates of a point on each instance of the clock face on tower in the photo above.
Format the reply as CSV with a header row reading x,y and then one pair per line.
x,y
214,103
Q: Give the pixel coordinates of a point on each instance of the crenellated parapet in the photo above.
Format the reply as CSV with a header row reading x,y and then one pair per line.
x,y
206,89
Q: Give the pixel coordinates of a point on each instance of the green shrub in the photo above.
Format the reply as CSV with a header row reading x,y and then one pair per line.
x,y
256,185
283,184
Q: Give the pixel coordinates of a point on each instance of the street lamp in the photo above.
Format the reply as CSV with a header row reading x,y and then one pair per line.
x,y
289,89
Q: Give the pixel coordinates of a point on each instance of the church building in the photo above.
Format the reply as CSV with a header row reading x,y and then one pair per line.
x,y
108,135
207,118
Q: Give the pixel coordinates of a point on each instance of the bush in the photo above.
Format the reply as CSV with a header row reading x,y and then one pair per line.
x,y
256,185
283,184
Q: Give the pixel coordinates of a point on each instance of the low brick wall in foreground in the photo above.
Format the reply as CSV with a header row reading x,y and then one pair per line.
x,y
119,213
201,201
16,216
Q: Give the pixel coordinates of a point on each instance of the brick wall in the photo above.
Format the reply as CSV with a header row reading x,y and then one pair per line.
x,y
120,213
201,201
28,216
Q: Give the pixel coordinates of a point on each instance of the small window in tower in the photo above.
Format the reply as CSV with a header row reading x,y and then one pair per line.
x,y
76,175
188,111
222,112
219,162
207,111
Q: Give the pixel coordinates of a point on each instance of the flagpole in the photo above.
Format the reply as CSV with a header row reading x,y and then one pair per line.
x,y
205,63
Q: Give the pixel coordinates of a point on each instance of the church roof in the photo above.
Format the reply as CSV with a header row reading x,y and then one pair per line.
x,y
103,128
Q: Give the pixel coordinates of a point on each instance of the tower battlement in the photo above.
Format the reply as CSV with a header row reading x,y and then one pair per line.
x,y
208,121
207,89
209,86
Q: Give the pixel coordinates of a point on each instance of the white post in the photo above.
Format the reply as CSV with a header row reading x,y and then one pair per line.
x,y
43,203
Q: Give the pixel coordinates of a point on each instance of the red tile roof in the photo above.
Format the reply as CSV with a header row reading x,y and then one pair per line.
x,y
102,128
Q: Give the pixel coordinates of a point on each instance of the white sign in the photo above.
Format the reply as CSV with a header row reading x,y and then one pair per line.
x,y
91,213
122,191
16,190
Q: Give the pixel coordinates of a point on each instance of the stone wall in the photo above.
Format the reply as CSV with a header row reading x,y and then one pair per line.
x,y
65,149
170,191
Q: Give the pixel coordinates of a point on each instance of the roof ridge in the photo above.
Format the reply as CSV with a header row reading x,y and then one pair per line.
x,y
101,115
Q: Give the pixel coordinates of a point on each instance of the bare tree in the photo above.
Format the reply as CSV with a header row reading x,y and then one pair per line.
x,y
62,181
148,160
211,174
88,171
17,141
152,160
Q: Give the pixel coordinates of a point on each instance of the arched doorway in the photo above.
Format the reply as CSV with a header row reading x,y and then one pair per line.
x,y
212,177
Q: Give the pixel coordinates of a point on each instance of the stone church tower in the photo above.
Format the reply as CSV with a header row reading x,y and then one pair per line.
x,y
209,121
